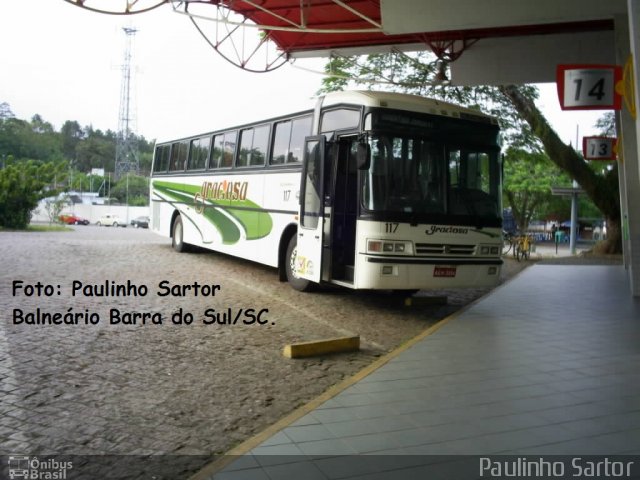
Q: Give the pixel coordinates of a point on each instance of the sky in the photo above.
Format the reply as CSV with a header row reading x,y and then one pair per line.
x,y
64,63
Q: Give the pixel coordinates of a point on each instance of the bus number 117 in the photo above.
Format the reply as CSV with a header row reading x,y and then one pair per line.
x,y
390,227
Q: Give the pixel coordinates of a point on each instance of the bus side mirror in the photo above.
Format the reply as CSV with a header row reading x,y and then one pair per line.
x,y
363,156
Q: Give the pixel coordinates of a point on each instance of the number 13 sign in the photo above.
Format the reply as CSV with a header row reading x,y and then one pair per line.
x,y
589,87
599,148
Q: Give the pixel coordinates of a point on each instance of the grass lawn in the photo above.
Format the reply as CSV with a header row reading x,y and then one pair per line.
x,y
40,228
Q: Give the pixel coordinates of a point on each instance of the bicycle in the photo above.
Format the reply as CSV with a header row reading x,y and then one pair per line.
x,y
507,242
522,247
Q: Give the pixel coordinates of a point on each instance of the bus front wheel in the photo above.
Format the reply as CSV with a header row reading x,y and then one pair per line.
x,y
300,284
177,241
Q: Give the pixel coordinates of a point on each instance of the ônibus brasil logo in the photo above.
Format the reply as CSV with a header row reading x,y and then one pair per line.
x,y
23,466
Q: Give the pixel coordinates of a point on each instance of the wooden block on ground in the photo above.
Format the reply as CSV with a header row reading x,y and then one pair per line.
x,y
322,347
423,301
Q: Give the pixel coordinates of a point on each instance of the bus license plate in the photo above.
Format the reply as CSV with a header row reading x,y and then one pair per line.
x,y
444,272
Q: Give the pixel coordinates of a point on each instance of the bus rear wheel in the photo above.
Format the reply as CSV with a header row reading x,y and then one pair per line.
x,y
300,284
177,241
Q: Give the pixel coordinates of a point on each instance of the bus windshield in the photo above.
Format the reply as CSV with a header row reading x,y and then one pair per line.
x,y
427,178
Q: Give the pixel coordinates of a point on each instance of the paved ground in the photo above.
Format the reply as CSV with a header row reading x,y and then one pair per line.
x,y
545,366
185,391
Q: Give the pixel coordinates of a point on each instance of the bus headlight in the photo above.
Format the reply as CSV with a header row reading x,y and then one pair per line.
x,y
489,250
374,246
381,246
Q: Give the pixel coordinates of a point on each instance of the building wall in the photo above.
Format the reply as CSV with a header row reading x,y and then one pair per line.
x,y
94,212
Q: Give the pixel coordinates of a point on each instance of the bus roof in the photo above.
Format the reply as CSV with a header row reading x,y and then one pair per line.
x,y
403,101
369,98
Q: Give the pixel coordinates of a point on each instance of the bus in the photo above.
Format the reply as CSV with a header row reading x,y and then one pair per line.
x,y
365,190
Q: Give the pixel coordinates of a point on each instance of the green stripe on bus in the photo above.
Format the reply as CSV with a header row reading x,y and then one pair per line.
x,y
228,230
257,224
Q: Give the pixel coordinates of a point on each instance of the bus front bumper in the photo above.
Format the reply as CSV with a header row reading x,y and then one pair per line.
x,y
409,273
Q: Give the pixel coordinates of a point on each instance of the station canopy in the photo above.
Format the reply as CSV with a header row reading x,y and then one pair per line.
x,y
480,39
320,25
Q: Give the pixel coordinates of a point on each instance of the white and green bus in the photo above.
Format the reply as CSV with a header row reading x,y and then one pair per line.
x,y
368,190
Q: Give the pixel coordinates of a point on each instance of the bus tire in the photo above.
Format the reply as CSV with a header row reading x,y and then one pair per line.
x,y
177,238
297,283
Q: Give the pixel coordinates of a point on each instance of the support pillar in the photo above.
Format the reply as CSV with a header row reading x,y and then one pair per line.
x,y
628,42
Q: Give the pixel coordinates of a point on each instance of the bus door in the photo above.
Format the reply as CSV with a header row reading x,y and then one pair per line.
x,y
345,209
310,232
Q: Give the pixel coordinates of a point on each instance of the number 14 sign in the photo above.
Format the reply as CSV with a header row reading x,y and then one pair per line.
x,y
589,87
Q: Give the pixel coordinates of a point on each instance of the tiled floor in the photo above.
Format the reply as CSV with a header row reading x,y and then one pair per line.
x,y
547,364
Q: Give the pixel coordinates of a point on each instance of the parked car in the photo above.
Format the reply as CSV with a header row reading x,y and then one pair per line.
x,y
111,221
73,220
140,222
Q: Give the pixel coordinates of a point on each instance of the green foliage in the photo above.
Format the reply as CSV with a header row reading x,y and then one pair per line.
x,y
22,185
54,206
83,148
72,134
606,124
528,178
81,182
23,139
132,190
5,111
97,150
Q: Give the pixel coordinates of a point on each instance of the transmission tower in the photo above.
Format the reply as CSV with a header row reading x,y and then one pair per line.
x,y
126,149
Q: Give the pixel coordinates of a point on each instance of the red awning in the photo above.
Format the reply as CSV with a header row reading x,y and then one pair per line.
x,y
330,24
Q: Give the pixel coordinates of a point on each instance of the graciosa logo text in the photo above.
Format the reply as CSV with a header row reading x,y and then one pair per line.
x,y
224,190
433,229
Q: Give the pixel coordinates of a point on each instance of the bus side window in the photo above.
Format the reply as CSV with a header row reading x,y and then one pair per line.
x,y
281,140
288,140
228,149
198,153
216,151
161,160
246,141
253,146
301,128
260,146
339,119
178,156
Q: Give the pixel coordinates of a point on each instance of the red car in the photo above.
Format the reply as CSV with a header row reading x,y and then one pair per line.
x,y
73,220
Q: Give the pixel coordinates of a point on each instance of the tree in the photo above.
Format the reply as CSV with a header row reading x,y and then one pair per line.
x,y
83,148
54,206
522,123
528,178
602,188
132,189
5,111
35,140
607,124
22,185
71,133
96,150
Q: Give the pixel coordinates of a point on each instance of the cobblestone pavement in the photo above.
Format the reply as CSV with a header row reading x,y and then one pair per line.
x,y
182,391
